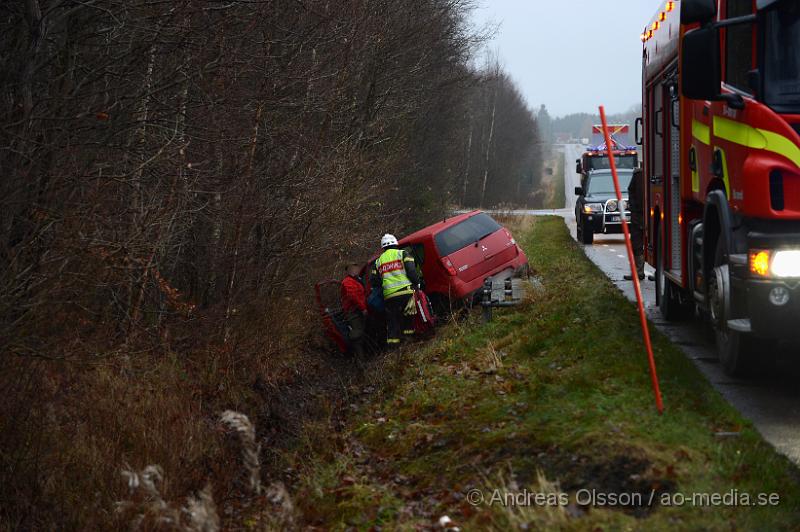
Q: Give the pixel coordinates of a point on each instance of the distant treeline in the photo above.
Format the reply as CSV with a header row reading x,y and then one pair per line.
x,y
504,149
174,177
579,125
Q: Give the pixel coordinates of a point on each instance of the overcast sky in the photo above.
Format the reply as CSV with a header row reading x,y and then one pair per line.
x,y
557,51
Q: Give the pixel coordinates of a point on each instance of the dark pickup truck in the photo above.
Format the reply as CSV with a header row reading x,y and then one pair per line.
x,y
597,209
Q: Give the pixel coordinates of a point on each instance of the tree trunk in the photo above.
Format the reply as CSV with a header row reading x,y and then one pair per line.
x,y
466,171
488,149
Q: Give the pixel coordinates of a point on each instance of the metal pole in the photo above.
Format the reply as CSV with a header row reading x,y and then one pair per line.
x,y
634,274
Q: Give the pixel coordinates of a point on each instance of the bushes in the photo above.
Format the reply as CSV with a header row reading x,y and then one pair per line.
x,y
175,176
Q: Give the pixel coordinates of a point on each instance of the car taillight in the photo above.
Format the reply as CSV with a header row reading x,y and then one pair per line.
x,y
449,266
510,236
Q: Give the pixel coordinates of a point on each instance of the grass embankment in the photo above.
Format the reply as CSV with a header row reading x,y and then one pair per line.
x,y
551,396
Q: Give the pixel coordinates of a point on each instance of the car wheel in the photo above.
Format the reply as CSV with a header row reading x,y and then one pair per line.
x,y
587,234
734,348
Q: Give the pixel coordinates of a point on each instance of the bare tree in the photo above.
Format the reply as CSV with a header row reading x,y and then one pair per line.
x,y
175,176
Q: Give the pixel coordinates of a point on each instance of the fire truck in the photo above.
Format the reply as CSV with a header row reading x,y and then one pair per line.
x,y
721,150
596,155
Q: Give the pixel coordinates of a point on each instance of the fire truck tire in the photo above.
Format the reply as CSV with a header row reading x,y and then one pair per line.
x,y
734,348
587,234
666,294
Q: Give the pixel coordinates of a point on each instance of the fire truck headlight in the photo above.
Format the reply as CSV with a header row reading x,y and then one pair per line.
x,y
786,263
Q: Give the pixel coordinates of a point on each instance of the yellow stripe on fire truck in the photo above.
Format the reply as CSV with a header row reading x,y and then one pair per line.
x,y
759,139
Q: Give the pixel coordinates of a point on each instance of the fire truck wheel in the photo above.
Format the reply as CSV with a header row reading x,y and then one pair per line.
x,y
666,294
587,234
733,347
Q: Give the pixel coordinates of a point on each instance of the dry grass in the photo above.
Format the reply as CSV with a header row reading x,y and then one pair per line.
x,y
251,450
524,513
151,507
202,512
65,428
518,225
146,507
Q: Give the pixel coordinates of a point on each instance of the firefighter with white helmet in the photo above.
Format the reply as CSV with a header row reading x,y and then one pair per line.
x,y
396,272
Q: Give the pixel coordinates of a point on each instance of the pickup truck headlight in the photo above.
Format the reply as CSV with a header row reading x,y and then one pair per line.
x,y
611,206
592,208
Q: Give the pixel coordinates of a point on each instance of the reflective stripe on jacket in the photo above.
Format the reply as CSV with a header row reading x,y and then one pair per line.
x,y
391,269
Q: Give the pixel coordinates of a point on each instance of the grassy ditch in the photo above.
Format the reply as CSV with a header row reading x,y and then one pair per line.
x,y
552,397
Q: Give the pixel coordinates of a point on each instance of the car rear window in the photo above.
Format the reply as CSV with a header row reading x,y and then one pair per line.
x,y
465,233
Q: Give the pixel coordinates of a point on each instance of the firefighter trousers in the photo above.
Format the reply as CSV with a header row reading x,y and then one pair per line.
x,y
356,322
398,324
637,243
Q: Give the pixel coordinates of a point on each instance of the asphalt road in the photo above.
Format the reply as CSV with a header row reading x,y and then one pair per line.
x,y
770,399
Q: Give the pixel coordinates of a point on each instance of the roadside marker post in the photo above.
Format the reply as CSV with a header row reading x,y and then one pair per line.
x,y
634,274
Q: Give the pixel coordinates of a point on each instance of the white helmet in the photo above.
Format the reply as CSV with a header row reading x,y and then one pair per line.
x,y
388,241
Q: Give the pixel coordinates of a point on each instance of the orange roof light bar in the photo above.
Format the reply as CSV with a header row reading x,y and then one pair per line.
x,y
663,16
670,7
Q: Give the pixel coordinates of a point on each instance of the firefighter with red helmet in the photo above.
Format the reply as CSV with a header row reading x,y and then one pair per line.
x,y
396,272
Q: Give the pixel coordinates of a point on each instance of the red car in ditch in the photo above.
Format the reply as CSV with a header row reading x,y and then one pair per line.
x,y
458,254
454,258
